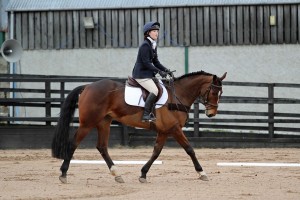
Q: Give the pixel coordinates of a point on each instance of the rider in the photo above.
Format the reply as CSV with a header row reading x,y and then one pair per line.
x,y
147,66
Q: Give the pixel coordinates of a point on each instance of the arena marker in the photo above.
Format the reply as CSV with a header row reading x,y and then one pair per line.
x,y
244,164
117,162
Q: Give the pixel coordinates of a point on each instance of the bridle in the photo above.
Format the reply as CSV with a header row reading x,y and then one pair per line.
x,y
204,98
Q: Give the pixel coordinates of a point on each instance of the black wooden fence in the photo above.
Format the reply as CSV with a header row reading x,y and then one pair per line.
x,y
234,125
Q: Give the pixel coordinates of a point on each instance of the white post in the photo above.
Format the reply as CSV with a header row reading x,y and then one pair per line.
x,y
11,64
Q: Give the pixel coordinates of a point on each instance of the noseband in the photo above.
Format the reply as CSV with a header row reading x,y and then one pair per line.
x,y
204,98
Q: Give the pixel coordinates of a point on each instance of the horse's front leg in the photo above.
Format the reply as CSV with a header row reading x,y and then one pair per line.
x,y
183,141
159,144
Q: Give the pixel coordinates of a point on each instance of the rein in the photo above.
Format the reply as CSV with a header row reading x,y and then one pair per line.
x,y
178,105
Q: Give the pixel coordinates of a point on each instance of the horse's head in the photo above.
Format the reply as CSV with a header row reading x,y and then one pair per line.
x,y
210,98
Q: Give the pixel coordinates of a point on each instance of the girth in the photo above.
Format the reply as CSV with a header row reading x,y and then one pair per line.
x,y
133,83
178,107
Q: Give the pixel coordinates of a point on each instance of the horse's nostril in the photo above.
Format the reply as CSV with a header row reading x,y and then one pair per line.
x,y
210,115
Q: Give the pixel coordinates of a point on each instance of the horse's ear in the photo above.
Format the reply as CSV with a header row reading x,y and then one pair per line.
x,y
222,77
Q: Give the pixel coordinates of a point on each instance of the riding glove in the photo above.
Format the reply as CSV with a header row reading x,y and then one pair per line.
x,y
169,72
163,74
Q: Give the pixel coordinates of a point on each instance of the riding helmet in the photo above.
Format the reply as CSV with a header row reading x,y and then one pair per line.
x,y
149,26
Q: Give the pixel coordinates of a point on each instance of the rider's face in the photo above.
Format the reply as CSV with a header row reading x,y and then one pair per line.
x,y
153,34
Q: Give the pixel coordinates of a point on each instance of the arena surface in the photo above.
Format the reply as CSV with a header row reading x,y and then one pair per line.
x,y
33,174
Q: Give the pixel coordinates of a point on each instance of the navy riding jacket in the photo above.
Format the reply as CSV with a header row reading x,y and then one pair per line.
x,y
147,63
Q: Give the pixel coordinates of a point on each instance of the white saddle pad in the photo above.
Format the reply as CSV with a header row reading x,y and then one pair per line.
x,y
133,96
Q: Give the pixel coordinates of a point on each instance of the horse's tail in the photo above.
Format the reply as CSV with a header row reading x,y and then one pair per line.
x,y
60,142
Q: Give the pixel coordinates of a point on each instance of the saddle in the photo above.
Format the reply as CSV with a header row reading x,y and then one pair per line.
x,y
133,83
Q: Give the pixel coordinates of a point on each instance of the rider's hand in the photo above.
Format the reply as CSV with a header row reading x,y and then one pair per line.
x,y
163,74
169,72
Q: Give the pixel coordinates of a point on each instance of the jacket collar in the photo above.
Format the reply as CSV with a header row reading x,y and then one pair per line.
x,y
152,42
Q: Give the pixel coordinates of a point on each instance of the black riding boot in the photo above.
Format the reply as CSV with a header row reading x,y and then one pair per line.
x,y
147,116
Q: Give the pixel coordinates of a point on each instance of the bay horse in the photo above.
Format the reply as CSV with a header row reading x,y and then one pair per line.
x,y
103,101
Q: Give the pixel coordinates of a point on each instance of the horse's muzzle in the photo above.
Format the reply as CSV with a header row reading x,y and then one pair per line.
x,y
210,112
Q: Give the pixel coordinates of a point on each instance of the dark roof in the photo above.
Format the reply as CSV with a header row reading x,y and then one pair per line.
x,y
37,5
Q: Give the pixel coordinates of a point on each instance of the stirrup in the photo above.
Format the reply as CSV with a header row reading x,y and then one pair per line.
x,y
152,117
148,118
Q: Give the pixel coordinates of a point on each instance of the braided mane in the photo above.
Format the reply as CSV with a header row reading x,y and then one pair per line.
x,y
193,74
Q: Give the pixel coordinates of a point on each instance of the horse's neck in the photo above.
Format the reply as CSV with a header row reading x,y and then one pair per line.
x,y
188,89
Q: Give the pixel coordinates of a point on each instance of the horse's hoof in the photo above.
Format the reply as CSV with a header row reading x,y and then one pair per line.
x,y
143,180
119,179
204,178
63,179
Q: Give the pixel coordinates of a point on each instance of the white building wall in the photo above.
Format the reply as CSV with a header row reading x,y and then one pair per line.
x,y
264,63
111,62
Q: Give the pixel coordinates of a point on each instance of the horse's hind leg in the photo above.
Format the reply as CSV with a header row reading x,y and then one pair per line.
x,y
73,144
183,141
159,144
102,144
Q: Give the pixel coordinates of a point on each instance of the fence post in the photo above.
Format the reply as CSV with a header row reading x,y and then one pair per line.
x,y
196,117
62,92
271,109
125,135
48,104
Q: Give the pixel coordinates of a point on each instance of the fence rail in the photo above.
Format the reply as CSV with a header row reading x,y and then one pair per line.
x,y
268,124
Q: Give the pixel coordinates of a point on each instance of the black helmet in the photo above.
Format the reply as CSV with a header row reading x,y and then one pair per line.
x,y
151,26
